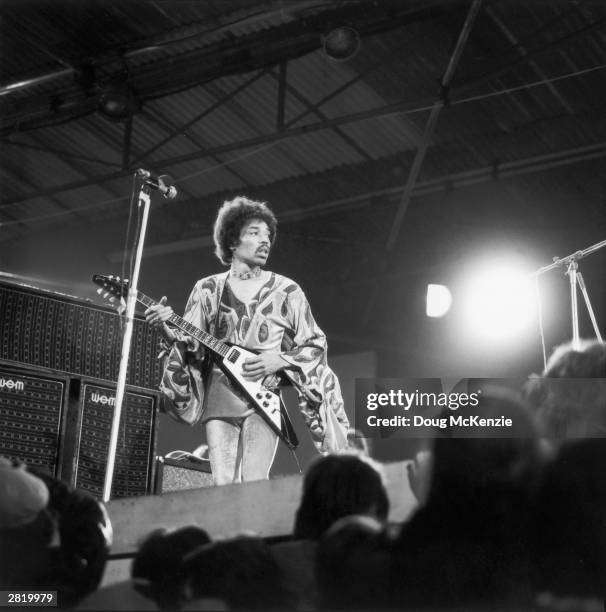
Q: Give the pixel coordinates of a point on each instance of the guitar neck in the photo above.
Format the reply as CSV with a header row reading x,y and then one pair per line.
x,y
209,341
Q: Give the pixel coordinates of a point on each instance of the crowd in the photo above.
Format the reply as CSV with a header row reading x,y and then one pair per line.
x,y
515,523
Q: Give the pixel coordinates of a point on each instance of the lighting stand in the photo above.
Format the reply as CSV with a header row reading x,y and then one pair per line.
x,y
576,279
144,202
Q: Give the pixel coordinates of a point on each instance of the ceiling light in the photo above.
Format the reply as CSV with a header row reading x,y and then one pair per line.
x,y
117,102
341,44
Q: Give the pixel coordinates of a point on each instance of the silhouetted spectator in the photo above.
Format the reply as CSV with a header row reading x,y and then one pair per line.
x,y
157,568
468,545
335,486
352,565
296,559
64,548
241,572
156,573
570,394
569,528
80,548
26,527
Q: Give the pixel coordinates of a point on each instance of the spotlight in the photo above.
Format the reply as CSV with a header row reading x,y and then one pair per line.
x,y
438,301
341,44
117,102
500,303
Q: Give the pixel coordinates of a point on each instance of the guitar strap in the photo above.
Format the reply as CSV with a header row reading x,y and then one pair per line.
x,y
220,289
209,359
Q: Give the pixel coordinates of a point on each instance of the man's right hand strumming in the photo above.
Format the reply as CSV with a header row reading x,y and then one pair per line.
x,y
157,316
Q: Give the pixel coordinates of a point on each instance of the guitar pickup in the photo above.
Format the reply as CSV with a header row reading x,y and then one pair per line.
x,y
233,356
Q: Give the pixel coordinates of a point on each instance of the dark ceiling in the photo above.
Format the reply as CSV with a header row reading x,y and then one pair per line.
x,y
460,128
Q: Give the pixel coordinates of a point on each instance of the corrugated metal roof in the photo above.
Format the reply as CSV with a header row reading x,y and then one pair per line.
x,y
402,65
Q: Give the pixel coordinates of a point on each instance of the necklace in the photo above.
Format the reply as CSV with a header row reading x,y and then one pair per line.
x,y
246,274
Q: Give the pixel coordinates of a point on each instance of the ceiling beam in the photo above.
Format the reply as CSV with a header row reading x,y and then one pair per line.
x,y
58,152
516,44
558,44
207,111
127,142
281,110
420,153
313,108
169,126
398,108
446,183
432,123
381,62
199,63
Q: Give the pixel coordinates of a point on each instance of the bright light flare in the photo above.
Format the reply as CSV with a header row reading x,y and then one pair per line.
x,y
438,301
499,302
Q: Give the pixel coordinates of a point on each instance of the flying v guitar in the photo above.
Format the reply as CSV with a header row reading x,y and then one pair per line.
x,y
230,357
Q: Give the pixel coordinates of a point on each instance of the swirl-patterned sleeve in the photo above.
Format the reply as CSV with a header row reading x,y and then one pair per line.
x,y
181,382
320,399
306,344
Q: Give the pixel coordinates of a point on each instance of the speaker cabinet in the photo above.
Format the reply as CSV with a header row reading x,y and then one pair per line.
x,y
44,329
133,470
32,407
172,475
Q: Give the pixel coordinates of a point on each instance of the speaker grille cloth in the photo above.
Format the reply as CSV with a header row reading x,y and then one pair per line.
x,y
31,410
135,442
43,330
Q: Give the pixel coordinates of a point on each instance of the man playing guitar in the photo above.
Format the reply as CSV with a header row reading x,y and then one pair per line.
x,y
261,311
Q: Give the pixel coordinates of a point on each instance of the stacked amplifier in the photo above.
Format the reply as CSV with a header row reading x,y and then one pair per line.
x,y
59,362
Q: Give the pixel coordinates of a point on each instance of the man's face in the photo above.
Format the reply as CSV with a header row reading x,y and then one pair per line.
x,y
255,243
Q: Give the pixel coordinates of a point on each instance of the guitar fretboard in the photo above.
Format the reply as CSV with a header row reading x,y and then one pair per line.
x,y
205,338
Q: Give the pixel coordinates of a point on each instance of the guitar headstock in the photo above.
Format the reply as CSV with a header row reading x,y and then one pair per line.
x,y
112,288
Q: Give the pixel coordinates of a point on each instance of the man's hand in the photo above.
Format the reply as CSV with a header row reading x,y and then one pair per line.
x,y
260,366
157,316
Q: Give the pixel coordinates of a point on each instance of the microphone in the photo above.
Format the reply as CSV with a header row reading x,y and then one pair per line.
x,y
161,183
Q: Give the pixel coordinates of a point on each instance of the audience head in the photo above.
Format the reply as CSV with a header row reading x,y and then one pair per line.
x,y
588,360
336,486
570,395
81,543
22,495
241,572
157,567
352,564
59,539
27,527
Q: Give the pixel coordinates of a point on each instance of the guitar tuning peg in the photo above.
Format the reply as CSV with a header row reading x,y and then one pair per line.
x,y
112,299
99,291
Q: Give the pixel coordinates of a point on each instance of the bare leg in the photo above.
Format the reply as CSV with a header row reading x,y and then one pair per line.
x,y
223,436
259,445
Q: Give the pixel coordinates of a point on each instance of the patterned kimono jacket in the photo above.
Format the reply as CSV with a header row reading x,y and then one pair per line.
x,y
280,320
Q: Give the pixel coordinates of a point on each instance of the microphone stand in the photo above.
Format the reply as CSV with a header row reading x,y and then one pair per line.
x,y
144,201
576,278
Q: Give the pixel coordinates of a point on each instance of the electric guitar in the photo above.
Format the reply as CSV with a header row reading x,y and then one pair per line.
x,y
265,400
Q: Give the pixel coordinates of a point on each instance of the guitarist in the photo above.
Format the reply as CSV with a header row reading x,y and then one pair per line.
x,y
259,310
